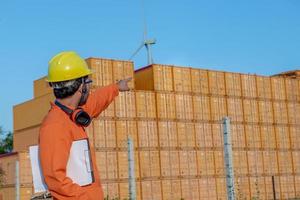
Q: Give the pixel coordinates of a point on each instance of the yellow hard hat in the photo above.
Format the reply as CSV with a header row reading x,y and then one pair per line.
x,y
66,66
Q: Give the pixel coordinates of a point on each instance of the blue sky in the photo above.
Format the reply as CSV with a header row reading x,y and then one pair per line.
x,y
257,36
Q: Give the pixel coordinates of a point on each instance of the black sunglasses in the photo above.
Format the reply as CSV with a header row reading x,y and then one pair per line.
x,y
88,81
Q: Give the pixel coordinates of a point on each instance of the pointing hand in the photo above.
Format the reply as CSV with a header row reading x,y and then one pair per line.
x,y
123,84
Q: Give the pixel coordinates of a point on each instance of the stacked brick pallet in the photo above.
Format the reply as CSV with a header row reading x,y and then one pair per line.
x,y
8,164
108,133
265,122
174,117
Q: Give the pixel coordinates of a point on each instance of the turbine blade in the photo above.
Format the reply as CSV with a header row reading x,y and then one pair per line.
x,y
138,49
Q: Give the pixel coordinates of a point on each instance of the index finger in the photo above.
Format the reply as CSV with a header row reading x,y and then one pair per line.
x,y
128,79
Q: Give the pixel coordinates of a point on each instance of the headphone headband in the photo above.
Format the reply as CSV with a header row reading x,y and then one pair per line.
x,y
64,108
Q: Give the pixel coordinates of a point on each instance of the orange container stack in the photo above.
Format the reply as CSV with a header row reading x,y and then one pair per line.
x,y
174,116
264,113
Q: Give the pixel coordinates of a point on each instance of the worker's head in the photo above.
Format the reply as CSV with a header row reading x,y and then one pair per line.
x,y
68,74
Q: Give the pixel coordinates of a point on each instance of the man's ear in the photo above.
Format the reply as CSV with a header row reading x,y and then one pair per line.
x,y
80,88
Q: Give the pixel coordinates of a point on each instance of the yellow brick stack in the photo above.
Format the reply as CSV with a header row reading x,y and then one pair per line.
x,y
264,112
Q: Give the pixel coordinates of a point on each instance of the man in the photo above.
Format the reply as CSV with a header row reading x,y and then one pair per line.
x,y
71,112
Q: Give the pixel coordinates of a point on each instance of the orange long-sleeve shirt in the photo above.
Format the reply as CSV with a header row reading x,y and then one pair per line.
x,y
57,133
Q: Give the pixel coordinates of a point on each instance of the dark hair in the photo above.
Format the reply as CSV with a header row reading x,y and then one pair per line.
x,y
65,92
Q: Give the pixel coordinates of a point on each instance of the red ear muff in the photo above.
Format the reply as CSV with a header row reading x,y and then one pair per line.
x,y
79,116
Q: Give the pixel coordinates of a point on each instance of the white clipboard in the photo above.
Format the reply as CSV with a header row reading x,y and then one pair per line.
x,y
79,167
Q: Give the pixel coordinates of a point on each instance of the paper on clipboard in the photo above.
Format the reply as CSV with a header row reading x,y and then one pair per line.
x,y
38,178
79,167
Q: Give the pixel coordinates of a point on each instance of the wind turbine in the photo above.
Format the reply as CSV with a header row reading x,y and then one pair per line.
x,y
147,43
